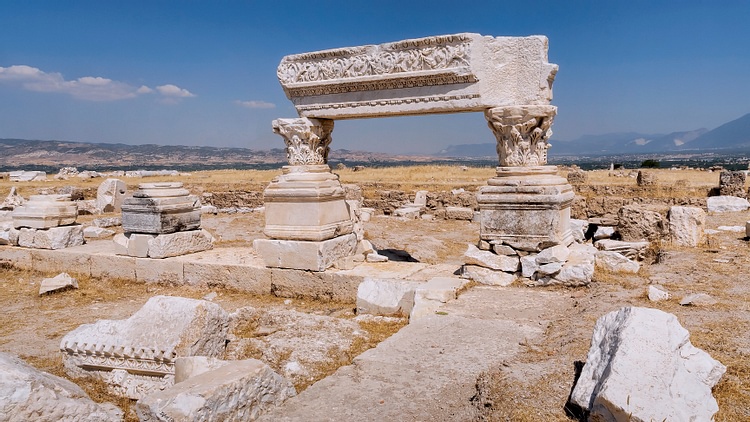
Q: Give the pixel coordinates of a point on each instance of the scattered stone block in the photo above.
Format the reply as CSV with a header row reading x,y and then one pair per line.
x,y
27,394
698,299
616,262
430,296
686,226
106,222
604,232
732,183
45,211
657,293
578,270
726,204
180,243
305,255
237,391
97,233
577,177
490,277
478,257
501,249
59,282
412,213
9,236
557,253
375,257
386,296
53,238
146,344
646,178
736,229
459,213
529,266
632,250
579,228
190,366
110,195
642,366
159,208
13,200
636,224
27,176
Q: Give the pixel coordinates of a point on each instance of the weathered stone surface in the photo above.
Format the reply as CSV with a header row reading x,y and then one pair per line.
x,y
528,265
13,200
110,195
616,262
90,232
190,366
27,176
58,282
412,213
557,253
450,73
490,277
27,394
159,208
52,238
487,259
180,243
577,271
146,344
632,250
636,224
305,255
646,178
8,234
386,296
578,229
45,211
501,249
698,299
604,232
237,391
732,183
459,213
726,204
686,226
657,293
106,222
642,366
577,177
431,295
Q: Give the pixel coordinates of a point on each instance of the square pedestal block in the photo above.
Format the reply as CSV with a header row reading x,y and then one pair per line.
x,y
305,255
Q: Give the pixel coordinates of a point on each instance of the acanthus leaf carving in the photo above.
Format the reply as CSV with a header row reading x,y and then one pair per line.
x,y
522,133
307,140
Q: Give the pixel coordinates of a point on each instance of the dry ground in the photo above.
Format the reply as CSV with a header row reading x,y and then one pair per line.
x,y
532,388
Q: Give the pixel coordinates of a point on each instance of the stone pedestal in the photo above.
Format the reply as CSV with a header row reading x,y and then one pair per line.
x,y
307,218
526,208
159,208
45,211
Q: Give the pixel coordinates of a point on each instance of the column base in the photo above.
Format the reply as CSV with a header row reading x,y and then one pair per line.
x,y
527,208
305,255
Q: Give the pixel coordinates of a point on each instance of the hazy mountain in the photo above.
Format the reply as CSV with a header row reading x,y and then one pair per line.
x,y
469,150
734,134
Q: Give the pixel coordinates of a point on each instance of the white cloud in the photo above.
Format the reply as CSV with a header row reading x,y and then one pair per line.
x,y
255,104
170,90
90,88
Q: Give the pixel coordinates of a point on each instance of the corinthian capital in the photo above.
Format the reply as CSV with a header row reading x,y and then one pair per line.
x,y
522,133
307,140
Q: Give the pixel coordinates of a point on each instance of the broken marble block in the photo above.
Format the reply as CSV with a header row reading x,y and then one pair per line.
x,y
377,296
488,276
686,225
305,254
237,391
110,195
430,296
90,232
616,262
158,208
53,238
642,367
58,282
45,211
136,356
27,394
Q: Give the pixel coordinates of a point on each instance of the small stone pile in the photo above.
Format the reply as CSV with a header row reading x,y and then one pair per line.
x,y
161,220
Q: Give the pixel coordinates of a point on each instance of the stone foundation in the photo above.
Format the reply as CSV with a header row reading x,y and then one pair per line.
x,y
159,246
305,255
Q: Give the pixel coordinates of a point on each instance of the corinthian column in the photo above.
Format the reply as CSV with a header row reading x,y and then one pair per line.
x,y
307,140
522,133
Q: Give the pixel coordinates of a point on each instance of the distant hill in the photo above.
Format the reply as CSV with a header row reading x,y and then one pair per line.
x,y
734,135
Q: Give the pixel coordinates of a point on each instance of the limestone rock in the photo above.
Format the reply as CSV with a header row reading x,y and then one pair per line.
x,y
646,178
386,296
578,270
146,344
237,391
555,254
657,293
616,262
529,266
578,177
52,238
109,195
579,228
13,200
476,256
430,296
632,250
58,282
732,183
180,243
501,249
604,232
636,224
490,277
106,222
726,204
375,257
27,394
305,255
459,213
408,212
45,211
190,366
686,226
698,299
9,235
642,367
97,233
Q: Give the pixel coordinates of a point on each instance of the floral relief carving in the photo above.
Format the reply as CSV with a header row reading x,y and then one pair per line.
x,y
307,140
522,134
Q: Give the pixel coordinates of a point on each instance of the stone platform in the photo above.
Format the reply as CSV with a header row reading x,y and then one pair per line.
x,y
231,268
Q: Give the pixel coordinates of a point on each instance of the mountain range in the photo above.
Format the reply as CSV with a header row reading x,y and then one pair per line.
x,y
733,135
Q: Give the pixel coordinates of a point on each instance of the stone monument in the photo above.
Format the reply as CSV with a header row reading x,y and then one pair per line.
x,y
161,220
48,222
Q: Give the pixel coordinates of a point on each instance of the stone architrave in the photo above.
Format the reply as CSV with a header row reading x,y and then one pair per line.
x,y
110,195
45,211
159,208
306,202
439,74
526,206
136,356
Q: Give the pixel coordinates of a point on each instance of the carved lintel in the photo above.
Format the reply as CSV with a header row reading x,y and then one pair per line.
x,y
307,140
522,133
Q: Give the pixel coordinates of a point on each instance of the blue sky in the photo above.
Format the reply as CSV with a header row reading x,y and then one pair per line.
x,y
204,73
